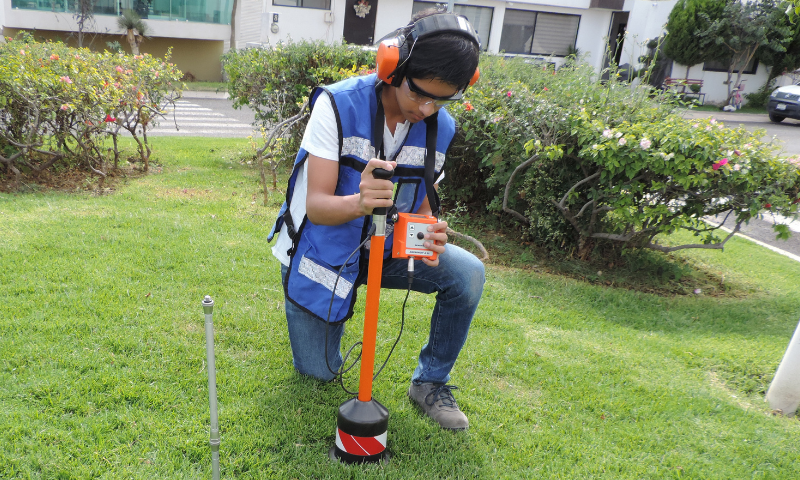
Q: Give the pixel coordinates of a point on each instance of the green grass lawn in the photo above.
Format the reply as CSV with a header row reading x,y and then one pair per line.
x,y
207,86
102,352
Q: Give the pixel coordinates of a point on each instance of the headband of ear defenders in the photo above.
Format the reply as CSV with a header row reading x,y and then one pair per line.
x,y
394,52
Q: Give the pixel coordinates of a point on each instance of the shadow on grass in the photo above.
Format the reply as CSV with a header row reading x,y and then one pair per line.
x,y
640,270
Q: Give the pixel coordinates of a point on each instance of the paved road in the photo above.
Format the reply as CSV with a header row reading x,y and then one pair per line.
x,y
787,133
206,114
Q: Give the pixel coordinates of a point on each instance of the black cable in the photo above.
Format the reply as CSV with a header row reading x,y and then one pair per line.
x,y
399,334
342,370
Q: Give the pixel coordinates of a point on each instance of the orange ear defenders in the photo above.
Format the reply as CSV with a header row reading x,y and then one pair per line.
x,y
394,52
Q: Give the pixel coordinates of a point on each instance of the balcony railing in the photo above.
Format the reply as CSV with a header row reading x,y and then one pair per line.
x,y
207,11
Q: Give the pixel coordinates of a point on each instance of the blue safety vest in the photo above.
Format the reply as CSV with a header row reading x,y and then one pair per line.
x,y
319,251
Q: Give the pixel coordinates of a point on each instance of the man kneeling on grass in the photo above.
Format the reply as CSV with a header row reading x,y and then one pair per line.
x,y
332,194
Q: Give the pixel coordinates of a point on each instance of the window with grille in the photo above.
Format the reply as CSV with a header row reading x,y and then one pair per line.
x,y
539,33
479,17
323,4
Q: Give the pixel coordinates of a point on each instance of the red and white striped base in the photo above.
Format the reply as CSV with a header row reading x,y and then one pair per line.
x,y
360,446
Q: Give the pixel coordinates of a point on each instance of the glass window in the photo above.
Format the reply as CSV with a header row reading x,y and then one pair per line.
x,y
539,33
209,11
479,17
324,4
714,66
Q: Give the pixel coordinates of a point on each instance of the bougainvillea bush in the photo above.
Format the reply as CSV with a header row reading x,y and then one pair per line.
x,y
60,105
574,161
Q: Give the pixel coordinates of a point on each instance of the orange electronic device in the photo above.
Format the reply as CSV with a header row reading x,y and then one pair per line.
x,y
409,236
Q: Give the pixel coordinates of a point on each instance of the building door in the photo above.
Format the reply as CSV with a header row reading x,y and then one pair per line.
x,y
616,37
359,21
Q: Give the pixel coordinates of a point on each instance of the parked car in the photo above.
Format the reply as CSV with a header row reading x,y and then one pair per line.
x,y
784,103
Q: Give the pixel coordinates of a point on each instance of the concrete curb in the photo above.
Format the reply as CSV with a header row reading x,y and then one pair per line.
x,y
203,94
729,116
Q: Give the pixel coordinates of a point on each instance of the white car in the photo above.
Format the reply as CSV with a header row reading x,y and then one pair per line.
x,y
784,103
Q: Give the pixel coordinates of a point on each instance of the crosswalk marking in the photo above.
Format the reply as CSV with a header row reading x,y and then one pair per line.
x,y
194,119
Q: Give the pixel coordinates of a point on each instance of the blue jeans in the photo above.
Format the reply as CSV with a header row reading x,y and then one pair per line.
x,y
458,284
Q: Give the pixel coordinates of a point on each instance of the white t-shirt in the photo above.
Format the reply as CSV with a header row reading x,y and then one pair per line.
x,y
321,139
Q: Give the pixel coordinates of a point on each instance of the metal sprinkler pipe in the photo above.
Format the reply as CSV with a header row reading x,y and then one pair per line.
x,y
208,310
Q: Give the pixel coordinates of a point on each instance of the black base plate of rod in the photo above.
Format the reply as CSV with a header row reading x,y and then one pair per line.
x,y
345,457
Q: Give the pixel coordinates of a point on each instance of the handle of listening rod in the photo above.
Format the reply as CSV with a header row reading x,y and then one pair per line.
x,y
382,174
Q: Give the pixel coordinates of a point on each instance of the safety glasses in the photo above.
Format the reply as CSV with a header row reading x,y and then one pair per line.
x,y
422,97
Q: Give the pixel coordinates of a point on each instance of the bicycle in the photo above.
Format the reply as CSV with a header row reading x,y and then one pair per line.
x,y
736,99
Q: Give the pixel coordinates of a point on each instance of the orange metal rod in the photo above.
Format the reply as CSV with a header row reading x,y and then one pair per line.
x,y
371,317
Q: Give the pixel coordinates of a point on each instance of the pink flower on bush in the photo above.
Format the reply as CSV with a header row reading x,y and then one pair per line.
x,y
138,57
607,133
54,57
622,141
65,79
546,89
509,93
120,69
645,143
22,52
719,164
468,106
64,107
110,119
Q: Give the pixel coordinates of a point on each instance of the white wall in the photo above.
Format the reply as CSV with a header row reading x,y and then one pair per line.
x,y
248,23
714,88
302,23
593,36
305,23
3,19
646,21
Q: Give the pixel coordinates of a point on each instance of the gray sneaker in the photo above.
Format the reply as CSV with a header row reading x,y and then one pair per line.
x,y
436,400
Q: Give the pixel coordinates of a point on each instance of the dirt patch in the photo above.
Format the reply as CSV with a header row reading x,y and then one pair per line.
x,y
69,180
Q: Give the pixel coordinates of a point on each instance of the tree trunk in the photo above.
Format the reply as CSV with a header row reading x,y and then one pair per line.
x,y
131,37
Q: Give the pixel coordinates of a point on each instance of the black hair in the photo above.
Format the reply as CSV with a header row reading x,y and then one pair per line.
x,y
449,57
